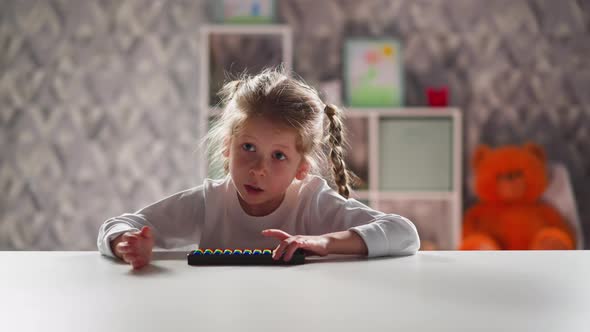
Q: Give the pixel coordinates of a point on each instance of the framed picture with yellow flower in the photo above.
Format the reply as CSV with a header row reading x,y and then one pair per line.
x,y
373,73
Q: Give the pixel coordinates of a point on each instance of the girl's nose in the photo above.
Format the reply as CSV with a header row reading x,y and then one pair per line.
x,y
259,167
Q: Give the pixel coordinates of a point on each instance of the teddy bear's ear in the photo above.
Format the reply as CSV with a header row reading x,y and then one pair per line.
x,y
480,152
536,150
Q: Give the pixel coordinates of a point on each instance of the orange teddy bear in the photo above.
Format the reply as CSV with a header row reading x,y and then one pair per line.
x,y
509,182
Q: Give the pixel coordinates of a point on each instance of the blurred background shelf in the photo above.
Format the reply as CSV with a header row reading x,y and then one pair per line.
x,y
409,163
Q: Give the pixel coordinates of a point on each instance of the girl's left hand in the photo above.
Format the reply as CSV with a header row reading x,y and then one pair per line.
x,y
290,243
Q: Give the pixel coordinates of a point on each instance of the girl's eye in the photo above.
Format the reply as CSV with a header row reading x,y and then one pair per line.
x,y
248,147
279,156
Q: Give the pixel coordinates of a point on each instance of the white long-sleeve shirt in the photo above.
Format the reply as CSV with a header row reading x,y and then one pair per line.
x,y
210,216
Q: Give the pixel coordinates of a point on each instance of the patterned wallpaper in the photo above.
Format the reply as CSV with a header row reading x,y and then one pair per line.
x,y
98,98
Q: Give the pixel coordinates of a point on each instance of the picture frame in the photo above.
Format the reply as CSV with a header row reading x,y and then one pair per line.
x,y
245,11
373,73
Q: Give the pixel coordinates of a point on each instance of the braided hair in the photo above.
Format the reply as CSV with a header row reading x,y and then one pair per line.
x,y
341,174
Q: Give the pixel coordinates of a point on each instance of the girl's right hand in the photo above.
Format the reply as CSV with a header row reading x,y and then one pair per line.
x,y
135,248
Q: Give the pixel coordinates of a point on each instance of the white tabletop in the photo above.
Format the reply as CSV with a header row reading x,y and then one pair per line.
x,y
431,291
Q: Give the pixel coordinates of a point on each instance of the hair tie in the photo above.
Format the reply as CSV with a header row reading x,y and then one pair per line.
x,y
330,110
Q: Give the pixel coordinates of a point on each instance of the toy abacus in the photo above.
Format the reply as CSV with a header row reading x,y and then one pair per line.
x,y
240,257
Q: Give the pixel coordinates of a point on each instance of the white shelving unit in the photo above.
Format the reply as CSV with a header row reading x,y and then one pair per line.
x,y
376,195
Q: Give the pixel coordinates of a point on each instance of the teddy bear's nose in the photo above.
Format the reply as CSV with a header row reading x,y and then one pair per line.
x,y
514,175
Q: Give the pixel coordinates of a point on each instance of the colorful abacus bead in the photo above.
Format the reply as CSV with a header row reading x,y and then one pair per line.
x,y
225,256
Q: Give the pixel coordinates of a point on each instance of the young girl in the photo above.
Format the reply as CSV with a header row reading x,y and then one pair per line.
x,y
274,138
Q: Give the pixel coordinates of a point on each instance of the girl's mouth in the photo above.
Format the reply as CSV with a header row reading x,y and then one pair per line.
x,y
252,189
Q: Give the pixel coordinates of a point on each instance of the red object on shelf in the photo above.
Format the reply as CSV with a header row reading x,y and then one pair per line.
x,y
438,97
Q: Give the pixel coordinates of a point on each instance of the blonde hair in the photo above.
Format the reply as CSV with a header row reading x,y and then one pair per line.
x,y
289,102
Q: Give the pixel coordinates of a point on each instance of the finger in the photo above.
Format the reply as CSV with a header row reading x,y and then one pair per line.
x,y
146,232
129,258
276,233
125,247
278,253
145,247
133,241
139,263
291,250
129,236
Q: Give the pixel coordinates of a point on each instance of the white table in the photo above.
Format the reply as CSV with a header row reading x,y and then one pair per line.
x,y
432,291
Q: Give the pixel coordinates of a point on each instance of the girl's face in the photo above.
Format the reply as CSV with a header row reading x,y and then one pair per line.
x,y
263,161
